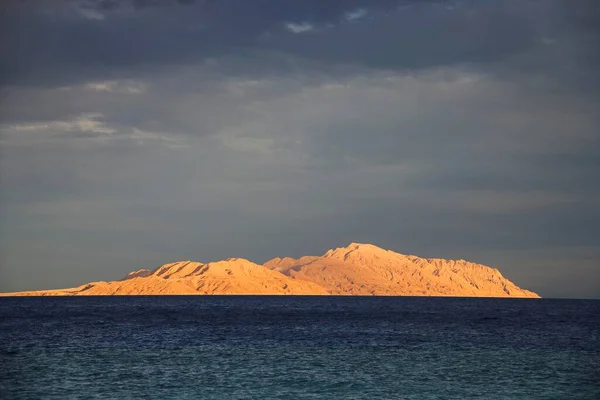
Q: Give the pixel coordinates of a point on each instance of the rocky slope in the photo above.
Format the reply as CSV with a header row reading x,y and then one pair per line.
x,y
231,276
358,269
363,269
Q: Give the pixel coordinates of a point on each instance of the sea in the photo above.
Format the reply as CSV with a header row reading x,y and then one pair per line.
x,y
295,347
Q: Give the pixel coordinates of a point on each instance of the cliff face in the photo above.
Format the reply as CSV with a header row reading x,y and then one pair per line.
x,y
363,269
358,269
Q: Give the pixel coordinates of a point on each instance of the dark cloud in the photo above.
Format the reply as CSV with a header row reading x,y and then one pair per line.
x,y
124,40
73,45
136,133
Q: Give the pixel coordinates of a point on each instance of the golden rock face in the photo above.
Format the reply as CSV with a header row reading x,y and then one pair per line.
x,y
365,269
358,269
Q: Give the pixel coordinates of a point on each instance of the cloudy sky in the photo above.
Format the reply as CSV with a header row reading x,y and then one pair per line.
x,y
135,133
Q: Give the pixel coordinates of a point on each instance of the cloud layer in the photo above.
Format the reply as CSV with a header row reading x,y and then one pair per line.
x,y
137,133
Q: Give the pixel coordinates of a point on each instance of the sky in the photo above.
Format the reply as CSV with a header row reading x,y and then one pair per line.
x,y
136,133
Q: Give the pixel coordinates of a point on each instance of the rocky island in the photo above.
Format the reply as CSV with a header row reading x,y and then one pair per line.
x,y
357,269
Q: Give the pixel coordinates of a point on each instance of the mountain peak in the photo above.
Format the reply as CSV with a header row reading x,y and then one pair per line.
x,y
364,249
356,246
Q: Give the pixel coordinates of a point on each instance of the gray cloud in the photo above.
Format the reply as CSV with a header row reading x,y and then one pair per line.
x,y
393,34
149,132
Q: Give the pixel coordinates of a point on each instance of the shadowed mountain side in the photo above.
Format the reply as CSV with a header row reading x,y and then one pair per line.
x,y
363,269
358,269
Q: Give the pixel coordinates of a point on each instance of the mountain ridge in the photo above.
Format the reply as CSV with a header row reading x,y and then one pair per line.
x,y
365,269
356,269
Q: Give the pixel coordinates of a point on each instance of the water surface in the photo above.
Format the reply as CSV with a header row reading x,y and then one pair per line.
x,y
245,347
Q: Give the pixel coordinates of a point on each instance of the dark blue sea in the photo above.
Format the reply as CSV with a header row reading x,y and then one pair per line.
x,y
249,347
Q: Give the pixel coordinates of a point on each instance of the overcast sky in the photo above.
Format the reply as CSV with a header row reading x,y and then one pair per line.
x,y
136,133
